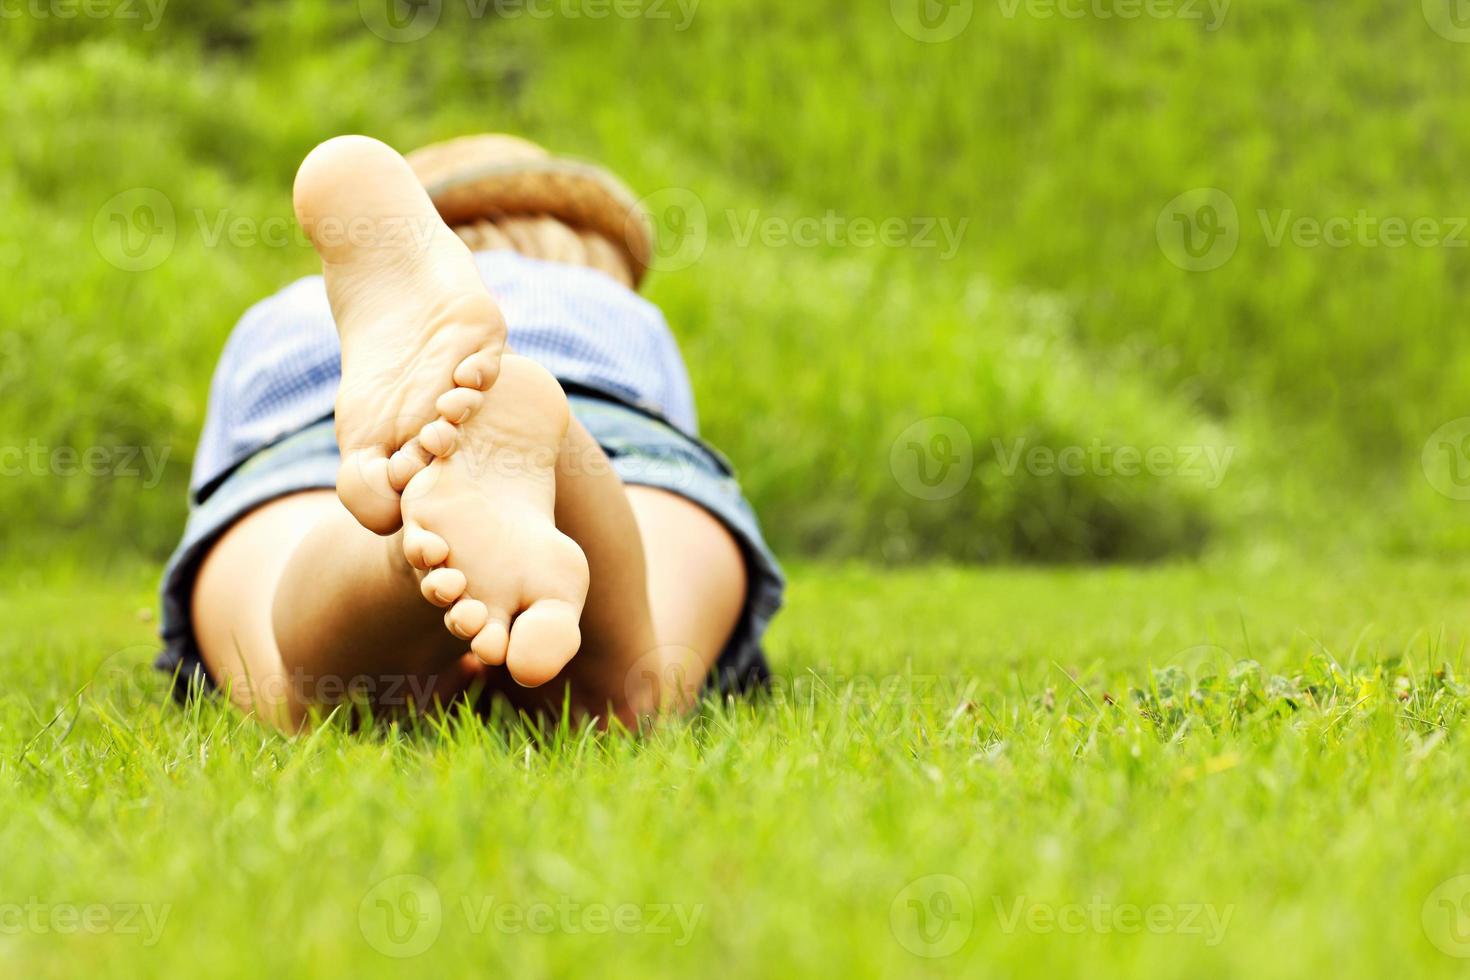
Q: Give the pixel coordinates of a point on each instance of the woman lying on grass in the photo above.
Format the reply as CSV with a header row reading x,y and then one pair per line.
x,y
522,508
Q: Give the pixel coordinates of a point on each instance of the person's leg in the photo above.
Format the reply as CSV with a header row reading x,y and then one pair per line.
x,y
356,616
697,587
668,586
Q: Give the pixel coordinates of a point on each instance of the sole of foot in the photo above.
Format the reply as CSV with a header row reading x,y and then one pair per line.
x,y
480,525
421,336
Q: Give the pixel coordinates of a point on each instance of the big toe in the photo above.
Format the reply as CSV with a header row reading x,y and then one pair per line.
x,y
543,640
365,489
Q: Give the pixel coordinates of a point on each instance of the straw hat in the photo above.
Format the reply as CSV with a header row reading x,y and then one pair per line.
x,y
493,175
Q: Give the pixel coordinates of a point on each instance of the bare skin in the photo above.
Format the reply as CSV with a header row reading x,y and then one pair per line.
x,y
514,521
421,337
480,523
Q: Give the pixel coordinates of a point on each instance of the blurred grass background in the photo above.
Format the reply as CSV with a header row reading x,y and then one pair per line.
x,y
1058,321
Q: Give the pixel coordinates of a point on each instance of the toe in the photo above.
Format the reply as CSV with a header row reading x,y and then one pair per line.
x,y
467,618
443,586
458,404
366,490
440,437
479,370
543,640
423,548
405,464
490,644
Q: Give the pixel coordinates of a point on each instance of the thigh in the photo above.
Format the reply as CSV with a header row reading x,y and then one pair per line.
x,y
617,627
697,584
367,632
667,589
234,594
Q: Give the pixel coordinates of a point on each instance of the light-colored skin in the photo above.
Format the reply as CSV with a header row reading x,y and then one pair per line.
x,y
560,582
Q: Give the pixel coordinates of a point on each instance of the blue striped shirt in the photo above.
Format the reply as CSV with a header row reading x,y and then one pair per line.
x,y
281,366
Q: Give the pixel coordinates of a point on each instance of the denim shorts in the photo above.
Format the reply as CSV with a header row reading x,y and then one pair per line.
x,y
644,450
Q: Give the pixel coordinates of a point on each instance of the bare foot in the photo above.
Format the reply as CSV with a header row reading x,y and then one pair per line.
x,y
481,524
421,336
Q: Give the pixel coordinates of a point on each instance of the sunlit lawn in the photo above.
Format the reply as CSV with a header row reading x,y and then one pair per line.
x,y
1249,768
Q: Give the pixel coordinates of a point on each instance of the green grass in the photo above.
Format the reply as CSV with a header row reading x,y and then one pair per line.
x,y
1274,744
